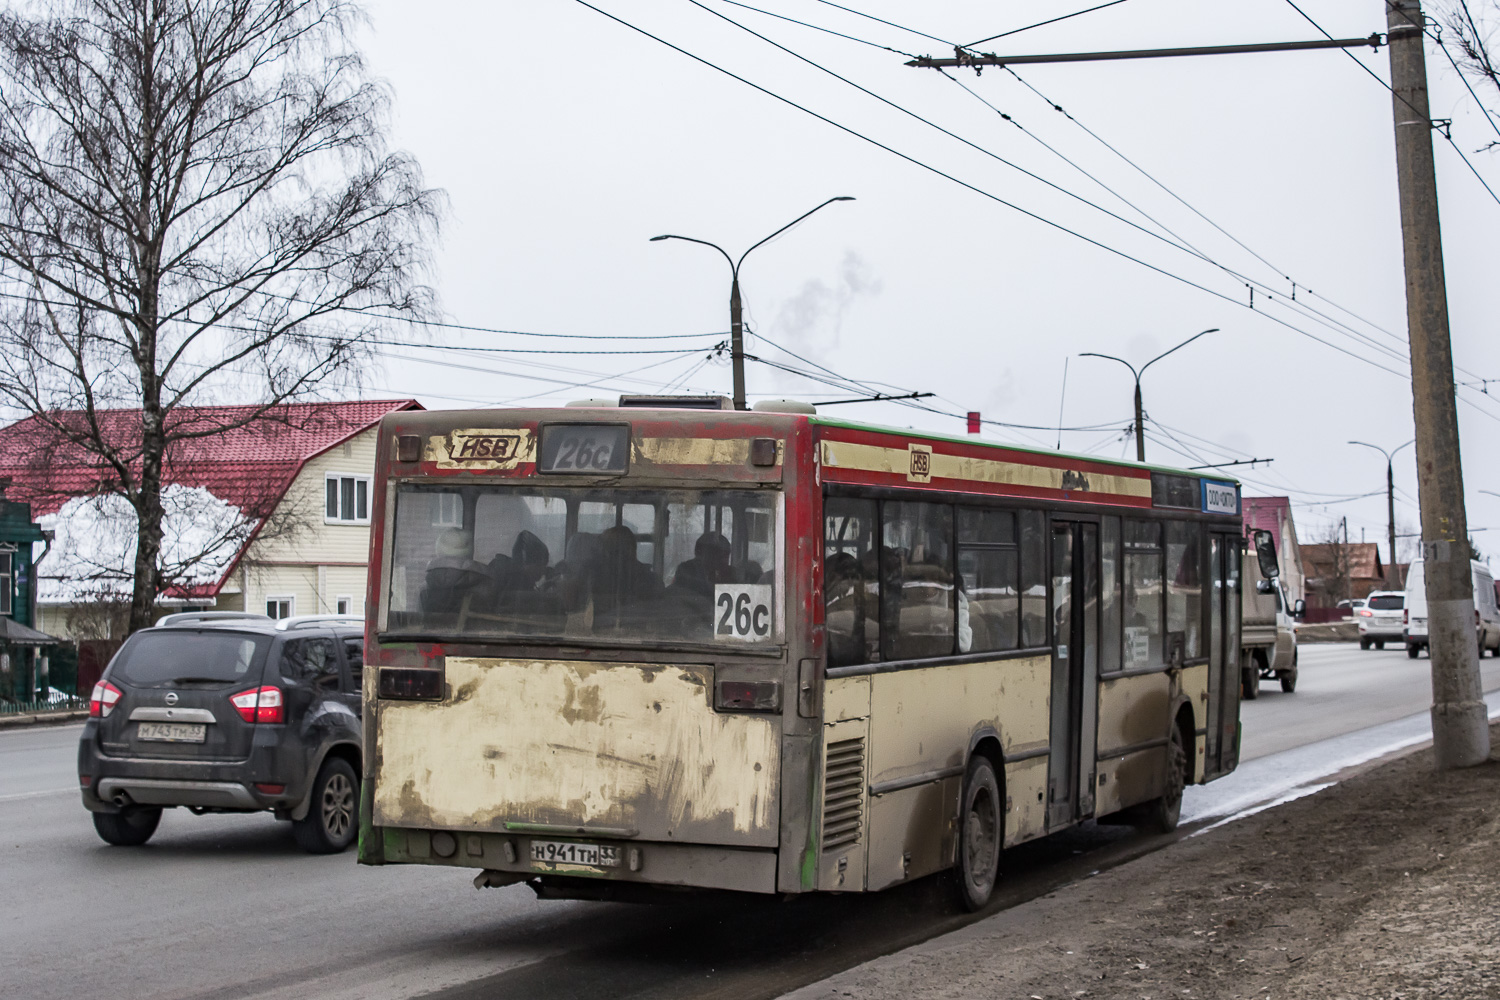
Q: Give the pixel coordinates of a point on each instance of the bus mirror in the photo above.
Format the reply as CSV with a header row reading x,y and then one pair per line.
x,y
1265,554
1299,608
1265,587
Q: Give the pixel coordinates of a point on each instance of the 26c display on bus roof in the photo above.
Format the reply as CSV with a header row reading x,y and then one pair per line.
x,y
597,449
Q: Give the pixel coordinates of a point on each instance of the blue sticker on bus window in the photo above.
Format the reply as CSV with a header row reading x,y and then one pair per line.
x,y
1220,498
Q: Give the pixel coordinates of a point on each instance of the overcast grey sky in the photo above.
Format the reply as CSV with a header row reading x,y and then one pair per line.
x,y
565,139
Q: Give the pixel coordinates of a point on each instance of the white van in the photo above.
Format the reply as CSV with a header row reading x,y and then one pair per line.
x,y
1486,613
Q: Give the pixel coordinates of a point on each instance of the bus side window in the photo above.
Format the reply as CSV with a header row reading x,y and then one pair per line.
x,y
851,585
1144,602
1184,586
988,568
1033,578
916,559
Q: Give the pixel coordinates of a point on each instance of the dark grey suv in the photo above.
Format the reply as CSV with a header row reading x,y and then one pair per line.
x,y
228,712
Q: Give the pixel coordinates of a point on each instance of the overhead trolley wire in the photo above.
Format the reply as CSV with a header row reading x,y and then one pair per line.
x,y
1052,20
1376,77
889,24
978,190
1179,244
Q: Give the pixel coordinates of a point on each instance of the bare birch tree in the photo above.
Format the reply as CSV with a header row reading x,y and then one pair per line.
x,y
197,205
1474,37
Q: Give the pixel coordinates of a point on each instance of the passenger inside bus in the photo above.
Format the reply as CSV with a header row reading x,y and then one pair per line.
x,y
453,574
526,566
619,582
708,567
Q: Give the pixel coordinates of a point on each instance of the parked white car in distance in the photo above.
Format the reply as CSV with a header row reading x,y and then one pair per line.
x,y
1382,619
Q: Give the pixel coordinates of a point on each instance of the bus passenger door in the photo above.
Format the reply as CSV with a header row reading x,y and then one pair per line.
x,y
1222,746
1075,671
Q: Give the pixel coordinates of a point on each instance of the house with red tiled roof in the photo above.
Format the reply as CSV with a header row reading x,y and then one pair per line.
x,y
1274,514
265,511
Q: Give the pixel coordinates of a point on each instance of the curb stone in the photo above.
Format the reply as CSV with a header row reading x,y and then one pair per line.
x,y
43,719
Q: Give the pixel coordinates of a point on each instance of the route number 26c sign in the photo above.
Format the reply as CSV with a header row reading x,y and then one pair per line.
x,y
742,612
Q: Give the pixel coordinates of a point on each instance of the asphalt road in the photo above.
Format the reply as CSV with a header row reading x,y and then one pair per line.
x,y
227,907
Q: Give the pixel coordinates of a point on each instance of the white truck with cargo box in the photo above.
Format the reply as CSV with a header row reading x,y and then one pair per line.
x,y
1268,635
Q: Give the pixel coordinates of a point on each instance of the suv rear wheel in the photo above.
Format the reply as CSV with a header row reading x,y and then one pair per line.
x,y
332,816
130,827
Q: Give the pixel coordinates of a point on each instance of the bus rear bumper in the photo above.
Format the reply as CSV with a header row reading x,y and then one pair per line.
x,y
643,863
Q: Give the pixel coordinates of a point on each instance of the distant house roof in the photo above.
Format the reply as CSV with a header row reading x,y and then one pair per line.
x,y
1363,560
236,475
249,465
16,634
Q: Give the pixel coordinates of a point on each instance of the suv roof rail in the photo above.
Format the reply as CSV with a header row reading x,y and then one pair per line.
x,y
183,617
309,621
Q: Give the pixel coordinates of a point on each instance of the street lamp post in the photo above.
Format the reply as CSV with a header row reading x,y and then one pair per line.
x,y
1140,432
1390,503
736,323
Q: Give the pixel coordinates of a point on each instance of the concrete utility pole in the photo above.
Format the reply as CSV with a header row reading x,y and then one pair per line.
x,y
736,321
1140,430
1390,506
1460,727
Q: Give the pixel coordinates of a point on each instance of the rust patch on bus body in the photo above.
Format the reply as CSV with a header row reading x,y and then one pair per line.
x,y
624,746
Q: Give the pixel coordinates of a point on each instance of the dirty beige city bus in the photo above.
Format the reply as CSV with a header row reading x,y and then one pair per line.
x,y
617,651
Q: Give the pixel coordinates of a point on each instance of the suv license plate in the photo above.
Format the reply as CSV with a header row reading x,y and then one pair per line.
x,y
559,852
172,732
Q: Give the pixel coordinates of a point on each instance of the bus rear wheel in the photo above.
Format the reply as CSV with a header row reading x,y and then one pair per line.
x,y
980,832
1163,814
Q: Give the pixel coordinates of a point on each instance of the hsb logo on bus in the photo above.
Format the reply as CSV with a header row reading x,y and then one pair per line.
x,y
480,447
920,469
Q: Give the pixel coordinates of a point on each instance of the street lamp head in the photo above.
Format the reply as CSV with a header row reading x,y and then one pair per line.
x,y
655,238
843,197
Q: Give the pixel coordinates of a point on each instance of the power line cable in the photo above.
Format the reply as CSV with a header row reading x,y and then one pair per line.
x,y
986,194
1306,313
1052,20
889,24
815,27
1446,134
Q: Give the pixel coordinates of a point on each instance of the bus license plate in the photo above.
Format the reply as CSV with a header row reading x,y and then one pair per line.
x,y
558,852
172,732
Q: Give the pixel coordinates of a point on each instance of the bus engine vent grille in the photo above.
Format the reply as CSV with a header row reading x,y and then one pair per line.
x,y
843,793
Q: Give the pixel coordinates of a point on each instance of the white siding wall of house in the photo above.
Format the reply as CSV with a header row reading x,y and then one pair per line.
x,y
318,559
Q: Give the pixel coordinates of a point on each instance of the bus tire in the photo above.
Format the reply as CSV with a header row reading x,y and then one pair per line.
x,y
1162,814
980,835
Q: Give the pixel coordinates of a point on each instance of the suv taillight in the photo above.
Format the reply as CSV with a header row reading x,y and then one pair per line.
x,y
263,704
102,700
1405,617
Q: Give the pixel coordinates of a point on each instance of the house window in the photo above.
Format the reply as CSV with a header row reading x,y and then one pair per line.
x,y
448,510
346,499
7,581
280,607
343,605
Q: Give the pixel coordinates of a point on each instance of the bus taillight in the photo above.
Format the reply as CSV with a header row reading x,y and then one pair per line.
x,y
411,683
747,696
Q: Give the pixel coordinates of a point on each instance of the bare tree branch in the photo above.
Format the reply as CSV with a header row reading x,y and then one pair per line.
x,y
187,188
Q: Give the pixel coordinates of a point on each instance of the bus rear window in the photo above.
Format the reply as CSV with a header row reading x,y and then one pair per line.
x,y
573,566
